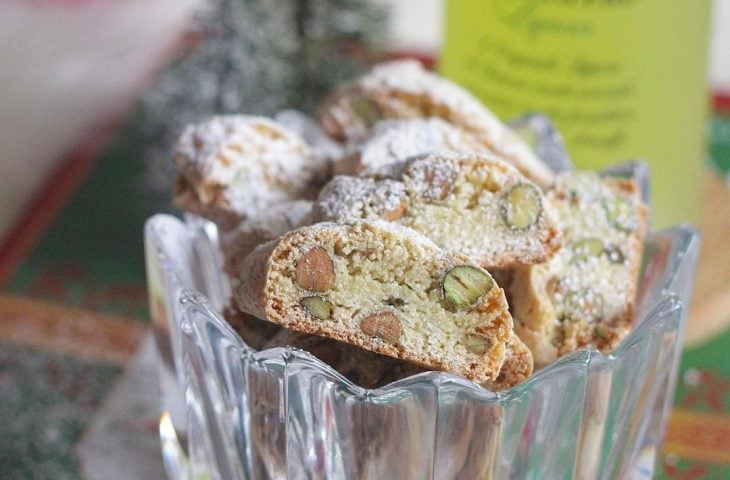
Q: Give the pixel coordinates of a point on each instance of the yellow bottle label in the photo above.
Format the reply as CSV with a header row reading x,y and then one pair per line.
x,y
621,79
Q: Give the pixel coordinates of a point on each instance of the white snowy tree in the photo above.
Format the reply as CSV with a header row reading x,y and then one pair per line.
x,y
257,57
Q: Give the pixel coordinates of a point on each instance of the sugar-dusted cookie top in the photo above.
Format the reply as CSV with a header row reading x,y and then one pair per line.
x,y
382,287
325,151
233,166
392,141
470,203
262,227
585,295
404,89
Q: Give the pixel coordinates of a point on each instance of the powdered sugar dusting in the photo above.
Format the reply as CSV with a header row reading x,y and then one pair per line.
x,y
398,230
432,176
324,150
459,203
395,140
347,198
454,199
579,199
264,226
591,283
396,84
252,160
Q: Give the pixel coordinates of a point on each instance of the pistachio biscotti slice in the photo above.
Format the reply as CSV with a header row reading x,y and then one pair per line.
x,y
404,89
470,203
382,287
233,166
391,141
585,295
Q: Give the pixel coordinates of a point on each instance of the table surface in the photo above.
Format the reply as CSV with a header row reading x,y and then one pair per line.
x,y
73,312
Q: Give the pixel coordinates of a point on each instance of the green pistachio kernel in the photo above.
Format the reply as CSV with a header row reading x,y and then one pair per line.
x,y
521,206
477,344
463,285
318,306
585,248
620,213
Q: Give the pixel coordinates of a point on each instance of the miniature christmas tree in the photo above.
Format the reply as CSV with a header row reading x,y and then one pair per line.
x,y
257,57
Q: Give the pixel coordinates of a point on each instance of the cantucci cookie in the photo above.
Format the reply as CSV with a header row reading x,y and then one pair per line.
x,y
362,367
232,167
585,295
404,89
324,149
391,141
265,225
382,287
470,203
516,368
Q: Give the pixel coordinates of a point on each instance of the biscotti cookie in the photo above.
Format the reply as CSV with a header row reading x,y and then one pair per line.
x,y
517,366
360,366
404,89
585,295
382,287
470,203
265,225
391,141
324,149
232,167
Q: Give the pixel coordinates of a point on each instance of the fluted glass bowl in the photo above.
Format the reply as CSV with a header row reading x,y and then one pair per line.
x,y
230,412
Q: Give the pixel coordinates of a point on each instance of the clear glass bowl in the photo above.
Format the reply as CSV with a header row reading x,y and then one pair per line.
x,y
230,412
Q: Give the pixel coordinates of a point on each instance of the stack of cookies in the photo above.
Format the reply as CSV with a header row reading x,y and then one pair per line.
x,y
411,230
